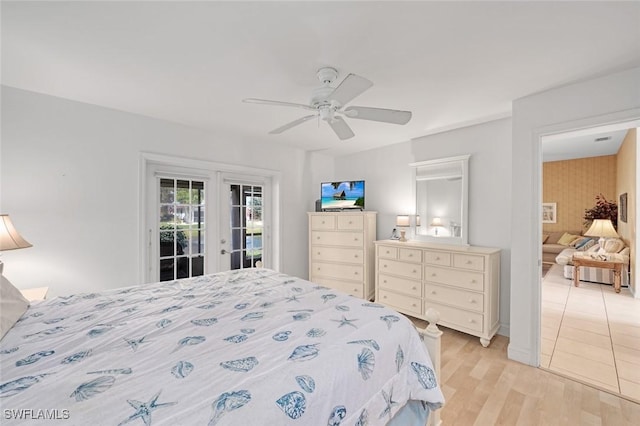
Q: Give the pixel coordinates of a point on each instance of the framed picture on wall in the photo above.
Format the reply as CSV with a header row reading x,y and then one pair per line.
x,y
623,207
549,213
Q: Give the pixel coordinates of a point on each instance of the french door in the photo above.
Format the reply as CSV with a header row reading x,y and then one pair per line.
x,y
204,221
245,230
181,230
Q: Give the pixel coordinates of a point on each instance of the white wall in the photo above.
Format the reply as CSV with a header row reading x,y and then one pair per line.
x,y
389,185
70,183
605,100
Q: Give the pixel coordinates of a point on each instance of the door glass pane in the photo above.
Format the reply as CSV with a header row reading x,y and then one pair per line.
x,y
246,225
182,236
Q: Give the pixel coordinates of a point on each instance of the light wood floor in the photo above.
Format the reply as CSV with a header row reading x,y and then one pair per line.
x,y
482,387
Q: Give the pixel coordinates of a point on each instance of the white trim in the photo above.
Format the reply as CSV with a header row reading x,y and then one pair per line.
x,y
149,158
531,355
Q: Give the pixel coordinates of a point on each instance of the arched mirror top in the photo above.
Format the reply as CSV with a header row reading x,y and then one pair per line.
x,y
441,194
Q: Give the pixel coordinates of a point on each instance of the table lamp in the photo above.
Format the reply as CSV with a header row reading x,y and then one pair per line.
x,y
602,228
402,221
10,239
436,223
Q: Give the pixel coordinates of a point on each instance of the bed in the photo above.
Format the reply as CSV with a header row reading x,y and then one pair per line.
x,y
246,347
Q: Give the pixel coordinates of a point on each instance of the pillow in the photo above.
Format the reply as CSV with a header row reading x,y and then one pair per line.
x,y
12,305
587,245
593,249
613,245
579,242
545,237
554,237
567,239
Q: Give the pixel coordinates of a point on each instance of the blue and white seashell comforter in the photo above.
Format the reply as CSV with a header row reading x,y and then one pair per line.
x,y
249,347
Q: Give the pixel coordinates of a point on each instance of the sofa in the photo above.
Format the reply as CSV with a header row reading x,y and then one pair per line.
x,y
551,246
611,249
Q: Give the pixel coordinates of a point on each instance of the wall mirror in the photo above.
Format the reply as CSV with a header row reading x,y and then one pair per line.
x,y
441,194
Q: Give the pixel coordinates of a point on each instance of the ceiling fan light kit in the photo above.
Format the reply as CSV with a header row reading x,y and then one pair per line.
x,y
328,103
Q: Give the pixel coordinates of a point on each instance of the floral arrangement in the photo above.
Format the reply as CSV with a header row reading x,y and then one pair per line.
x,y
604,209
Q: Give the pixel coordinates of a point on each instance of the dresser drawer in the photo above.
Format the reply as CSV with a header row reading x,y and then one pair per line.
x,y
468,261
410,255
323,222
400,285
403,269
457,318
348,222
406,303
347,239
354,289
463,279
335,254
387,252
454,297
333,270
437,258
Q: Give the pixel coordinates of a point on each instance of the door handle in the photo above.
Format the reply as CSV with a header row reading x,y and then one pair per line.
x,y
223,251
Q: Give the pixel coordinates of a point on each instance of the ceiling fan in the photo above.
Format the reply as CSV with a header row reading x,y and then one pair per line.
x,y
328,103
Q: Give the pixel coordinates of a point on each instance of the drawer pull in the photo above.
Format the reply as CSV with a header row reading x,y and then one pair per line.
x,y
414,271
384,266
414,305
355,290
414,288
355,239
433,274
433,292
437,257
469,262
384,281
384,297
355,255
472,301
318,253
318,268
387,251
410,254
472,321
350,222
355,273
317,238
473,281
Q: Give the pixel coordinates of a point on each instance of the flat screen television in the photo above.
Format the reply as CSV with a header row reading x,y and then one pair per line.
x,y
342,195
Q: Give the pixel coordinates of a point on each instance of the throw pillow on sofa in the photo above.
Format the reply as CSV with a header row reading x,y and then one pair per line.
x,y
579,242
567,239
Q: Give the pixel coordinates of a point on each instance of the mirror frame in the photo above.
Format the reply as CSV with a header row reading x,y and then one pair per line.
x,y
463,162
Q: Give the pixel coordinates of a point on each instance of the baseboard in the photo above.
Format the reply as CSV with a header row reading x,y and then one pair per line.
x,y
520,355
504,330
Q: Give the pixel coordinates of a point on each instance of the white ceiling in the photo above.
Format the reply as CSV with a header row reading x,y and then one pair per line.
x,y
450,63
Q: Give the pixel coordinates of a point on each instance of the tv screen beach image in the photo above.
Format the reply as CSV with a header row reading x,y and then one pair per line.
x,y
343,195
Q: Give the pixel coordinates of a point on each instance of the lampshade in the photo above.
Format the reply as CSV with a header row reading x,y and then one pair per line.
x,y
402,220
436,221
601,228
10,239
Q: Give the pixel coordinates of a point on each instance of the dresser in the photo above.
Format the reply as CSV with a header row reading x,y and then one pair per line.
x,y
341,251
461,282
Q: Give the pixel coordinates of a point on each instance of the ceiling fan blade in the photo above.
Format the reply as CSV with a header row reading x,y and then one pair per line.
x,y
292,124
341,128
277,103
378,114
352,86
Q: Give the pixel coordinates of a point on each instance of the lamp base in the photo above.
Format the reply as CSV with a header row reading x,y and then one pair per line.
x,y
402,236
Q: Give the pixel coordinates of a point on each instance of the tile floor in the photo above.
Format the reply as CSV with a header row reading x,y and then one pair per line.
x,y
591,333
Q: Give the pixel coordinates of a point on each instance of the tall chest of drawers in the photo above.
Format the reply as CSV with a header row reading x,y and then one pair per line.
x,y
341,251
462,283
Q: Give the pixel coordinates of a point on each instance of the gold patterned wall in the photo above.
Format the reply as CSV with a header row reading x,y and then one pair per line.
x,y
573,186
